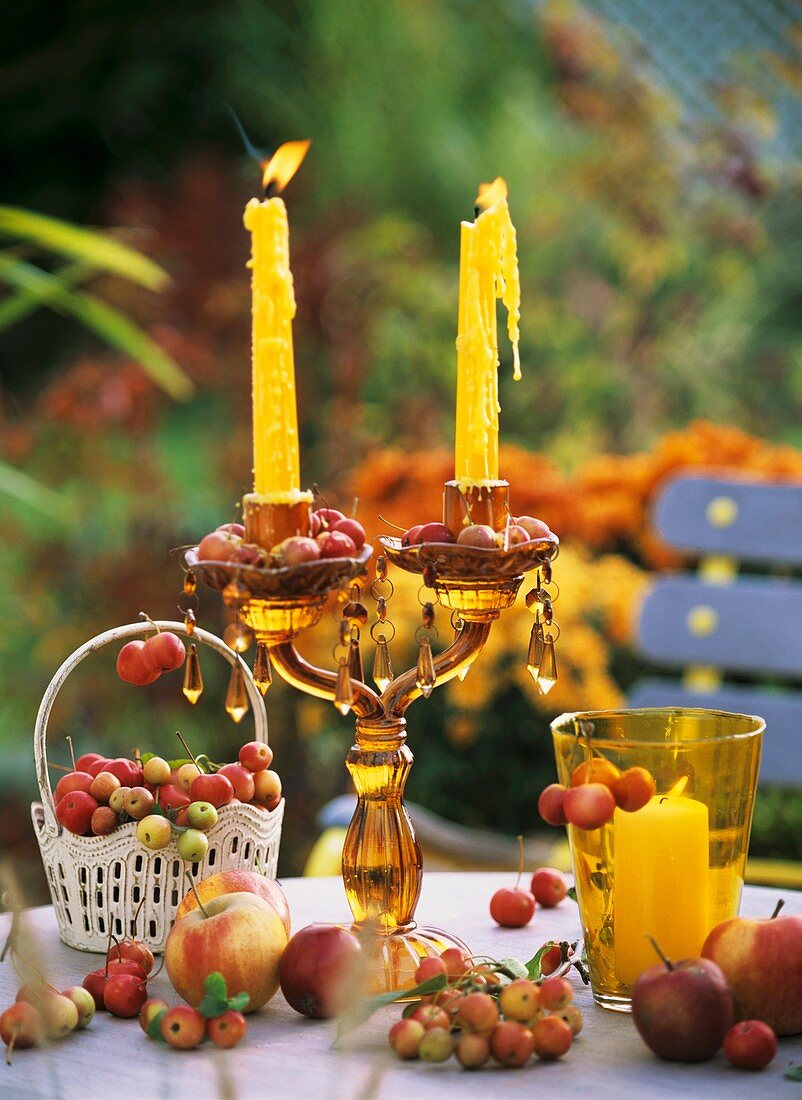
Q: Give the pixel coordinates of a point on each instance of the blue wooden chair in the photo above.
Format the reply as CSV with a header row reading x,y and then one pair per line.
x,y
736,636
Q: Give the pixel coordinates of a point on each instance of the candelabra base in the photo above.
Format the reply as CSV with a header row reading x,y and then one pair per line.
x,y
395,956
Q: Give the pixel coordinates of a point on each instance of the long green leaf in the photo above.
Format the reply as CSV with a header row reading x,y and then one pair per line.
x,y
82,244
107,322
19,306
14,483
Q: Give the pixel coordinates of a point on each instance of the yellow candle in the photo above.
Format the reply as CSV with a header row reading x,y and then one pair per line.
x,y
661,886
276,467
488,271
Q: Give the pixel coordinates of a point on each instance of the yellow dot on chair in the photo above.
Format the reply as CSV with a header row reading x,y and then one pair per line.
x,y
721,512
702,621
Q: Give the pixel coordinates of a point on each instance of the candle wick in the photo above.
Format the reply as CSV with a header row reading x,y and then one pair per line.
x,y
664,799
477,210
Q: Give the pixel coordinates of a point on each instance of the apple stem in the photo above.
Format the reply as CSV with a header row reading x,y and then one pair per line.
x,y
68,739
180,737
520,860
390,523
11,1048
665,958
147,619
777,908
135,921
108,952
197,895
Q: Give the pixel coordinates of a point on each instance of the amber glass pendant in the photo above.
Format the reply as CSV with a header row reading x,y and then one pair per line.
x,y
237,697
193,680
343,692
262,672
382,665
426,676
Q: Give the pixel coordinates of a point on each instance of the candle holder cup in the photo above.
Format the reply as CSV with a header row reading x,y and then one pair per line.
x,y
382,861
673,869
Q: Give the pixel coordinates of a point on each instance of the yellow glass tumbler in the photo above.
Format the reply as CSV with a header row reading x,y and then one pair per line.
x,y
674,868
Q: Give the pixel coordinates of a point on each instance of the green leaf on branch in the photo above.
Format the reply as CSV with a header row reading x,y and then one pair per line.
x,y
215,999
533,967
794,1072
239,1003
154,1027
366,1008
572,893
512,969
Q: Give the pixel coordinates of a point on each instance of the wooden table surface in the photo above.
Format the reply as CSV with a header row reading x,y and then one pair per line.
x,y
287,1056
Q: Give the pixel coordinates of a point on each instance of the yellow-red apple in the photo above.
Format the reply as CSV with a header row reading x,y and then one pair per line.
x,y
239,935
762,960
238,882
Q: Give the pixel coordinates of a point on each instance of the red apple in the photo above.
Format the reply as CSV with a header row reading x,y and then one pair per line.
x,y
149,1010
762,961
232,529
239,935
412,536
75,810
551,804
511,907
22,1025
267,787
240,779
255,756
216,789
336,544
750,1045
128,773
103,786
682,1010
589,806
318,969
134,950
227,1030
535,528
97,765
297,549
124,995
87,758
236,882
131,665
183,1027
548,887
172,797
164,652
435,532
512,536
477,534
73,781
352,528
218,546
328,517
103,821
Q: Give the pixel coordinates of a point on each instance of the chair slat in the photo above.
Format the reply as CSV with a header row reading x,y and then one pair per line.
x,y
750,520
782,711
752,625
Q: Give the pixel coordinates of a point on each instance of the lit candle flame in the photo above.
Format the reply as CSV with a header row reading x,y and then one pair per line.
x,y
491,193
282,166
678,788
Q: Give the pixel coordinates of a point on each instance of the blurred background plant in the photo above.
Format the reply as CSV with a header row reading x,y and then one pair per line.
x,y
658,236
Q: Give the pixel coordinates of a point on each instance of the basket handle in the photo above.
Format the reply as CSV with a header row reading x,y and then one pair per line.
x,y
117,634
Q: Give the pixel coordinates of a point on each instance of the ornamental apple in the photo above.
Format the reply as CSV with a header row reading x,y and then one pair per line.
x,y
73,781
128,773
477,534
353,528
297,549
255,756
336,544
84,1002
219,546
241,779
216,789
75,810
762,961
238,882
239,935
163,652
201,815
227,1029
183,1027
154,832
131,665
156,771
21,1026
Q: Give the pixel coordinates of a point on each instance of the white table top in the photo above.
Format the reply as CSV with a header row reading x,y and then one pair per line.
x,y
285,1056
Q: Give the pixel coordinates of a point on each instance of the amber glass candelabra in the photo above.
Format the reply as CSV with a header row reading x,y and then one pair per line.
x,y
382,862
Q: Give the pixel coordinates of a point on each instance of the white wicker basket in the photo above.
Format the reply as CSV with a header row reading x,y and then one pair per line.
x,y
97,882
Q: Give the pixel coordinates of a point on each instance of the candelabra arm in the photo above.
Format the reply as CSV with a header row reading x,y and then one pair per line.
x,y
460,654
300,674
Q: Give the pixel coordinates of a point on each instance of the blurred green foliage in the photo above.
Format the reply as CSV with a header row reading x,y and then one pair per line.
x,y
659,272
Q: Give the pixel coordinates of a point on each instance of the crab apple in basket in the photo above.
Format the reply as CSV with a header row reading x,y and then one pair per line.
x,y
336,544
296,549
163,652
216,788
239,935
75,810
255,756
73,781
240,779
